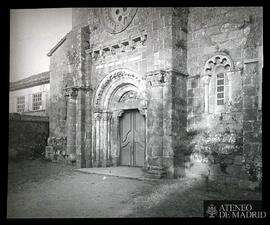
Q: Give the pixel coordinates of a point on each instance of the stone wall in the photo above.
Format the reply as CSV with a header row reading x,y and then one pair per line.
x,y
237,33
67,70
27,135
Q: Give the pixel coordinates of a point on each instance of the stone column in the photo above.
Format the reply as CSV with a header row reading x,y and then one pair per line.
x,y
105,148
109,117
97,138
115,136
105,138
94,138
229,75
101,138
71,94
166,123
154,122
206,80
88,129
252,115
82,128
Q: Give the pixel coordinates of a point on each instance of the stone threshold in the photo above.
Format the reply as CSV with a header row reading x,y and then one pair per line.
x,y
134,173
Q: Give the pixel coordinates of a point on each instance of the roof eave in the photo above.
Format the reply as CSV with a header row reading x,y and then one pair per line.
x,y
57,46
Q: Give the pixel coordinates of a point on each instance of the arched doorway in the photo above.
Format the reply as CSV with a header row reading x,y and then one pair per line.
x,y
119,113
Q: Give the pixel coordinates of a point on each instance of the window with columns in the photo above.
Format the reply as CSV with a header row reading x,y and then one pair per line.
x,y
217,83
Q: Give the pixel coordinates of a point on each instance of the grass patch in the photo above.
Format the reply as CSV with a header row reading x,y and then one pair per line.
x,y
182,198
26,172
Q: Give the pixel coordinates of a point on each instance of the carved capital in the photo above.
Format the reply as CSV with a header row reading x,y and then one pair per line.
x,y
206,79
143,111
157,78
239,66
71,92
119,113
143,39
105,116
97,116
109,116
229,75
85,88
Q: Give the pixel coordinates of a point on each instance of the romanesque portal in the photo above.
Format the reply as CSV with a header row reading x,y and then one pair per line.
x,y
119,120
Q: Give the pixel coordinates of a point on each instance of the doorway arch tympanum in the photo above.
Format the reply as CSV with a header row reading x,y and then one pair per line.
x,y
119,115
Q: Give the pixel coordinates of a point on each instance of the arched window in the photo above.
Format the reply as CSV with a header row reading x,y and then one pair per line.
x,y
220,87
217,83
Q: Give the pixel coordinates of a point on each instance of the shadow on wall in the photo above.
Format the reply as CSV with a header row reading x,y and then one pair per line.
x,y
27,136
214,148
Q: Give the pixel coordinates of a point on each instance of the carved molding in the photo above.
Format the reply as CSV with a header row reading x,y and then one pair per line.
x,y
119,113
129,96
85,88
106,116
109,116
119,47
157,78
111,78
216,61
71,92
97,116
143,111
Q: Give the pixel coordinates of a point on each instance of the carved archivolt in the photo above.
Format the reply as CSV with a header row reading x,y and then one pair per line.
x,y
216,61
113,81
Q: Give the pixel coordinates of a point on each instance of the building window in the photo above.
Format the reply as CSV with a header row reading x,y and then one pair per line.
x,y
220,88
21,104
37,101
217,73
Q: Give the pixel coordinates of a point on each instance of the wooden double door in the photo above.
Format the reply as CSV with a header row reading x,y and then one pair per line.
x,y
132,138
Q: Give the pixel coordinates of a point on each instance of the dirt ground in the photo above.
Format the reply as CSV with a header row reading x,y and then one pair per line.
x,y
41,189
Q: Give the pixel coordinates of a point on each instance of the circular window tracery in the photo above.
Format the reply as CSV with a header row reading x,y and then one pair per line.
x,y
116,20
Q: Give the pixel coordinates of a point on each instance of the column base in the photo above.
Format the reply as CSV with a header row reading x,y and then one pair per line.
x,y
97,164
154,172
107,163
72,158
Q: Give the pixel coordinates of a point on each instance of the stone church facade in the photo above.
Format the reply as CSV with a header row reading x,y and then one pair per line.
x,y
171,90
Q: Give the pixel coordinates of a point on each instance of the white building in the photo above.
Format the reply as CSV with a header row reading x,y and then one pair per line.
x,y
30,95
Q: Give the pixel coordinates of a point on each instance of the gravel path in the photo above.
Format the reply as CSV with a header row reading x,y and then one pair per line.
x,y
40,189
69,194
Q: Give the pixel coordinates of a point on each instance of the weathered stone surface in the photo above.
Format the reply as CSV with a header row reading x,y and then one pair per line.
x,y
165,56
27,135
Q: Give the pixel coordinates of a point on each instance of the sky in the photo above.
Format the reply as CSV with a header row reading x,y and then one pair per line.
x,y
33,33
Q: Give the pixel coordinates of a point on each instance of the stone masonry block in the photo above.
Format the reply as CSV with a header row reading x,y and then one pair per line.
x,y
250,114
248,102
219,37
248,126
250,137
